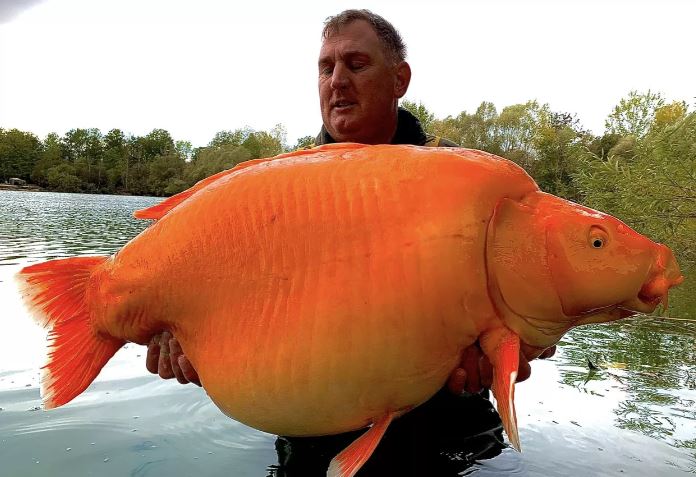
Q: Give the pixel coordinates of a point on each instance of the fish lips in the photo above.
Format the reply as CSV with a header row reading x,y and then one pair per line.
x,y
652,294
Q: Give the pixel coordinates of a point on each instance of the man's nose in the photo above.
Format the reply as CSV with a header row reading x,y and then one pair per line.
x,y
339,77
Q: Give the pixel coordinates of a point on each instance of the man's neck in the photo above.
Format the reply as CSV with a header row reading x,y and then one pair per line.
x,y
407,131
385,135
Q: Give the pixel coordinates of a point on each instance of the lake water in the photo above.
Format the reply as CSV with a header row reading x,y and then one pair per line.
x,y
634,416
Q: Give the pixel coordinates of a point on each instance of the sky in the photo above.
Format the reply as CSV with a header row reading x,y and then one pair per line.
x,y
196,68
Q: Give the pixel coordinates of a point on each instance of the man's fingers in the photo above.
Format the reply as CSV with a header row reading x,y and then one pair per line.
x,y
548,352
485,372
164,365
166,358
190,373
456,381
524,370
153,354
471,362
175,353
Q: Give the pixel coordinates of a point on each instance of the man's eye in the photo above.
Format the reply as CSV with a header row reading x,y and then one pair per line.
x,y
357,66
326,70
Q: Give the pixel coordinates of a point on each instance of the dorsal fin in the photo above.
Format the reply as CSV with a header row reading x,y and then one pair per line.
x,y
158,211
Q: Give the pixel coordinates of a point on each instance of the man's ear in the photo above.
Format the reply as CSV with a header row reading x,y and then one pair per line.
x,y
403,78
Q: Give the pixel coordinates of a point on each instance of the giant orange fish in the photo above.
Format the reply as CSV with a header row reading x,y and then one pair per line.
x,y
333,289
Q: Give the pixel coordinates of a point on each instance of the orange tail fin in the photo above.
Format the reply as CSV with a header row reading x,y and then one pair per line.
x,y
502,347
54,292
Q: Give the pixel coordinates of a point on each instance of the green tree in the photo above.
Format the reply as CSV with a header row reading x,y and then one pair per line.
x,y
516,129
559,144
142,151
165,175
19,152
668,115
116,157
138,178
480,132
634,114
184,149
303,143
211,160
157,142
51,155
230,138
63,178
476,131
600,146
84,148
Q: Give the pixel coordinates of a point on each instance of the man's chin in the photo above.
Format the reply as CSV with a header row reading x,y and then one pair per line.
x,y
344,131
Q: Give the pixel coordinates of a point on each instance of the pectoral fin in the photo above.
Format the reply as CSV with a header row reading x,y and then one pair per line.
x,y
351,459
502,347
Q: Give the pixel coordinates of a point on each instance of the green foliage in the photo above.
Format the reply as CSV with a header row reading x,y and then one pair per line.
x,y
50,156
164,170
63,178
211,160
634,115
184,149
257,143
303,143
558,145
85,160
18,152
157,143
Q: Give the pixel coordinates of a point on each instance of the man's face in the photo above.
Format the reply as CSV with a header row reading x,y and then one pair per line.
x,y
359,85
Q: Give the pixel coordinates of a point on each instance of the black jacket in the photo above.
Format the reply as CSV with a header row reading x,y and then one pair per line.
x,y
408,131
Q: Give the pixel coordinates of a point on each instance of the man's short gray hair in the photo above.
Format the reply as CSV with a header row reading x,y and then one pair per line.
x,y
387,34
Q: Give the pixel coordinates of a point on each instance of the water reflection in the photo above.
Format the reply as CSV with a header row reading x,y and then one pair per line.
x,y
651,362
45,225
632,415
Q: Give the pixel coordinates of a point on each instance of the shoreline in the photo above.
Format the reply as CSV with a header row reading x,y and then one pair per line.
x,y
25,188
36,188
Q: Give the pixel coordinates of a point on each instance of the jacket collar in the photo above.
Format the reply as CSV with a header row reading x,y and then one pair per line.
x,y
408,131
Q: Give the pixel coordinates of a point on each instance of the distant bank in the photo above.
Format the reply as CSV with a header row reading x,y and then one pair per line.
x,y
26,187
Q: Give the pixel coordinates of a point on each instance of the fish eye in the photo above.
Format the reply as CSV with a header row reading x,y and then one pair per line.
x,y
598,237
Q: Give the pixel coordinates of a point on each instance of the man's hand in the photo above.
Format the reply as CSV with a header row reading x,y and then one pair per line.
x,y
476,373
165,357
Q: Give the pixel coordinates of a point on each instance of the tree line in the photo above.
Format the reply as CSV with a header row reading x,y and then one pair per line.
x,y
86,160
642,169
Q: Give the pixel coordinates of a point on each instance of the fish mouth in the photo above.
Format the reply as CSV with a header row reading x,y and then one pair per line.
x,y
664,275
643,303
652,301
656,290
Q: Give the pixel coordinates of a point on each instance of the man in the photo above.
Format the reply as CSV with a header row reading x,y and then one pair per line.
x,y
362,75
